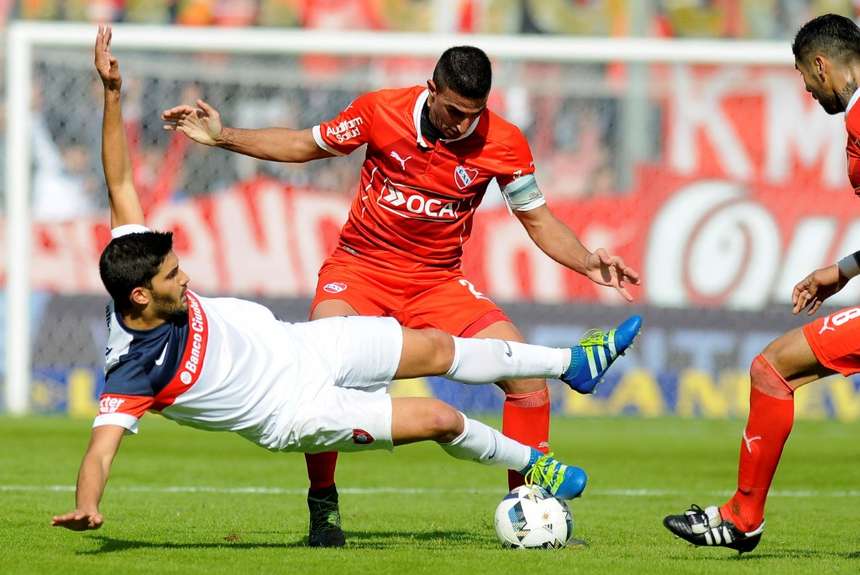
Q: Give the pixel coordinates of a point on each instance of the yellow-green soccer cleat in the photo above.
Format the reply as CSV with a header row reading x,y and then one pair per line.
x,y
563,481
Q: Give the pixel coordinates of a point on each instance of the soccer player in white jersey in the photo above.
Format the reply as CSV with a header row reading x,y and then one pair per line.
x,y
227,364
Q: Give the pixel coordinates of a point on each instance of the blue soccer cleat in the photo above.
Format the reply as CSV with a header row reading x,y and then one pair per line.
x,y
563,481
595,353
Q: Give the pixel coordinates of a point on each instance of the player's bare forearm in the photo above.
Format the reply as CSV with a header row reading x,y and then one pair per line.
x,y
124,203
554,238
274,144
92,478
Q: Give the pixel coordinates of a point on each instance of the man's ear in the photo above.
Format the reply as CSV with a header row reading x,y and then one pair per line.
x,y
431,85
820,66
140,296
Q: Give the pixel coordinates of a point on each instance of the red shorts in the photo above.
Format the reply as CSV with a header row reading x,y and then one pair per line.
x,y
835,340
442,299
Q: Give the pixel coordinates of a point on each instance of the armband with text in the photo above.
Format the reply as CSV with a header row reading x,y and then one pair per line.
x,y
523,194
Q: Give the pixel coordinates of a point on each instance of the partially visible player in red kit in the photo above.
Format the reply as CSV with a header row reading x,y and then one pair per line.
x,y
431,154
827,54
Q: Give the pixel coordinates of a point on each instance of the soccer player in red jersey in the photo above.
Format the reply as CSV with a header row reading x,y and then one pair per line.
x,y
827,54
431,153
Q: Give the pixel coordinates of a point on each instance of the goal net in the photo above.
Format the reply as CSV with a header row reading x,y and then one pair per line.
x,y
703,164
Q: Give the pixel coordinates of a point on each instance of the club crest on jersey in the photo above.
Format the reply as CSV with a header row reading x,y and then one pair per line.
x,y
334,287
463,176
361,437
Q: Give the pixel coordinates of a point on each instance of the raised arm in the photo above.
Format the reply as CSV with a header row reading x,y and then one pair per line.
x,y
92,477
124,202
203,125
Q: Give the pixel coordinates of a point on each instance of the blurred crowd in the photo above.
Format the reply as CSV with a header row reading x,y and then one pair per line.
x,y
762,19
574,125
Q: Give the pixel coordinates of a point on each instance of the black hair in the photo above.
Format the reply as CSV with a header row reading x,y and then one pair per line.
x,y
831,34
132,261
466,70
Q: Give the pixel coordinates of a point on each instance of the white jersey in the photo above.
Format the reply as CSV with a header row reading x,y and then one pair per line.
x,y
229,366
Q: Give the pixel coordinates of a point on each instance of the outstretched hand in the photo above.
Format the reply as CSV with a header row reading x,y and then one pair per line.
x,y
202,124
78,520
812,290
608,270
106,65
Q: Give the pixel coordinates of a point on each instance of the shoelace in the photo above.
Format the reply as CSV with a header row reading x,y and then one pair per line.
x,y
539,472
593,337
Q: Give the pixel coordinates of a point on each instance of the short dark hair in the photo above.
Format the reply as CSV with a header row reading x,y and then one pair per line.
x,y
464,69
132,261
831,34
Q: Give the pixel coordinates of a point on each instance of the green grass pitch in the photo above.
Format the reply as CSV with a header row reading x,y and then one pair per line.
x,y
187,501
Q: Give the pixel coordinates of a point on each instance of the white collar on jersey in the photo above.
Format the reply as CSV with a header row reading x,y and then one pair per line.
x,y
416,117
854,97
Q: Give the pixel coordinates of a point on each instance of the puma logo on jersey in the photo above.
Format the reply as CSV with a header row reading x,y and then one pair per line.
x,y
826,326
402,161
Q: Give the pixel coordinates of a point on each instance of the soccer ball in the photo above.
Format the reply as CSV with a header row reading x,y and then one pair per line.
x,y
530,517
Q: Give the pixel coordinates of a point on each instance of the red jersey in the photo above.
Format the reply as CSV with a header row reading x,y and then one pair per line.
x,y
852,123
416,199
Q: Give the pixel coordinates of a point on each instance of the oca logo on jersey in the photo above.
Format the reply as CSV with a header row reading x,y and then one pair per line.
x,y
417,204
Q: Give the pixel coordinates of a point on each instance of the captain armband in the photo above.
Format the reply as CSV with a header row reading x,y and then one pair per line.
x,y
523,194
849,266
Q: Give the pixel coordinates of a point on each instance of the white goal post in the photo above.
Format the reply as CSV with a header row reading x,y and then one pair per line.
x,y
24,37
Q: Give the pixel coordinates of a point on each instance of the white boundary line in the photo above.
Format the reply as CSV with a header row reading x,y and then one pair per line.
x,y
798,493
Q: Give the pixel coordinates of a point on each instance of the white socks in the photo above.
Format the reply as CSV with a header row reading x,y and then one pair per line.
x,y
489,360
483,444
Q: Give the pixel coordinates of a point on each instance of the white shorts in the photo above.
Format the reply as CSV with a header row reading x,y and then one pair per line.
x,y
351,408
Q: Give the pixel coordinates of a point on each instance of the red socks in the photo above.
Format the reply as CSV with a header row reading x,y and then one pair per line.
x,y
321,469
769,424
525,418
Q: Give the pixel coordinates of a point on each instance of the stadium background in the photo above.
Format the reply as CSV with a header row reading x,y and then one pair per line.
x,y
723,185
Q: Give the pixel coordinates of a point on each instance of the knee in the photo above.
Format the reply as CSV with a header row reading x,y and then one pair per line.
x,y
442,349
776,353
444,422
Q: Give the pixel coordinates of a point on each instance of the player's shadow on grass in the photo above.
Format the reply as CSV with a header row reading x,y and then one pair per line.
x,y
778,554
801,554
112,545
421,539
356,540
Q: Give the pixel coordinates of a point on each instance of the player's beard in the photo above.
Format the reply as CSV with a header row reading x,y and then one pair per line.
x,y
169,308
837,101
845,94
